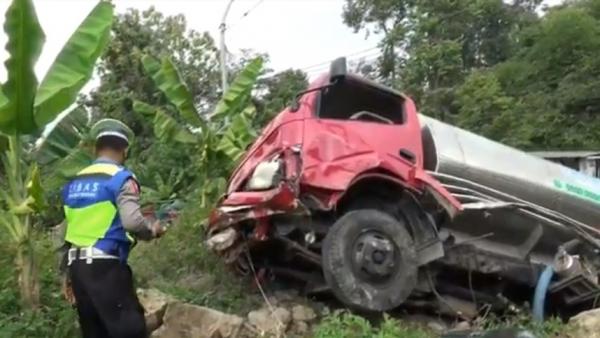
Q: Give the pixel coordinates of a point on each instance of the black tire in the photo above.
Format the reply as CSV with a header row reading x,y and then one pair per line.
x,y
351,277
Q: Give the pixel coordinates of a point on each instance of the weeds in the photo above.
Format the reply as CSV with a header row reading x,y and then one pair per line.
x,y
342,324
182,266
55,318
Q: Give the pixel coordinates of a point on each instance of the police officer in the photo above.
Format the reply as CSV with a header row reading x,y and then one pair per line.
x,y
103,222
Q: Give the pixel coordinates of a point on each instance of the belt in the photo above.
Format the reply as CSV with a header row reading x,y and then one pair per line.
x,y
88,254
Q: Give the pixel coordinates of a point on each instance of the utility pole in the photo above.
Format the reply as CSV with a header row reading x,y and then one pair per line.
x,y
222,51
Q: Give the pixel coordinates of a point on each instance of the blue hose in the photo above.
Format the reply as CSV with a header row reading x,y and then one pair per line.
x,y
539,298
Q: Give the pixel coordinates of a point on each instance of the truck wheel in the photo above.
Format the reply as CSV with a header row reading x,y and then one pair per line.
x,y
369,260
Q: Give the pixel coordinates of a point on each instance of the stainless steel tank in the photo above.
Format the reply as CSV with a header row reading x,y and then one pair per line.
x,y
464,154
476,169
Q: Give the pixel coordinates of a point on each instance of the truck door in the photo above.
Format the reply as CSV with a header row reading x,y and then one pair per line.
x,y
357,127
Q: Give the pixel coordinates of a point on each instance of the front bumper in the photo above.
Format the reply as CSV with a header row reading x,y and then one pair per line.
x,y
224,235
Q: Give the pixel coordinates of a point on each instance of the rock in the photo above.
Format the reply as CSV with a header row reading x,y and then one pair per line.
x,y
267,322
462,326
586,324
222,240
273,301
436,327
301,313
155,304
299,328
192,321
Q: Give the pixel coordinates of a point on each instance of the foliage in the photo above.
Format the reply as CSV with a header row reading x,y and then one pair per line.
x,y
484,106
66,135
180,265
26,108
552,327
123,79
55,318
168,79
494,67
279,90
164,189
346,325
128,93
428,46
546,96
221,138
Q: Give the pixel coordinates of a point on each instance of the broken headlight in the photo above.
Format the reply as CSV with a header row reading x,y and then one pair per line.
x,y
266,175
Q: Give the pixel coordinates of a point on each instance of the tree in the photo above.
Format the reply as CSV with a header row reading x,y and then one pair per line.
x,y
122,76
546,92
279,90
123,81
25,110
430,46
486,108
219,139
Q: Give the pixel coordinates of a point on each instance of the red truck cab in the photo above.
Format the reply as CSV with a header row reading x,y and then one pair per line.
x,y
346,149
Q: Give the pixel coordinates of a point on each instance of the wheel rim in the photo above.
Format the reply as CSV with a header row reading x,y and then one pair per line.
x,y
374,257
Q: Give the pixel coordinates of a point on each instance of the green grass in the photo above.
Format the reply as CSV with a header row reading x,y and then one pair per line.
x,y
343,324
55,318
552,327
181,265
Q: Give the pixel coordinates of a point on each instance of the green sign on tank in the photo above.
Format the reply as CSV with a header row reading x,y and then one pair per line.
x,y
577,191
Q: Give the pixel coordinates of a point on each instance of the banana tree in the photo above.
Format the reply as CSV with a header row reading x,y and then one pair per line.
x,y
222,137
65,149
26,108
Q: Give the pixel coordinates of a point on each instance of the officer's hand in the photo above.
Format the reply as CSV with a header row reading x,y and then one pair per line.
x,y
158,229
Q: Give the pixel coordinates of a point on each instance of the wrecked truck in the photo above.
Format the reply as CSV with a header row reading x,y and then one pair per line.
x,y
351,192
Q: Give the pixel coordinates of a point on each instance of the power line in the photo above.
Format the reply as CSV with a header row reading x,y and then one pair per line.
x,y
252,8
324,66
246,13
348,55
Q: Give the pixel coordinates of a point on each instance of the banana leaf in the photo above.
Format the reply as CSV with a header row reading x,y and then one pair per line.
x,y
166,128
5,114
144,108
167,78
238,135
237,96
25,41
72,131
66,168
74,64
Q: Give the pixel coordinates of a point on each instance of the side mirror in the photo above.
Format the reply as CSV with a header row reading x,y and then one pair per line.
x,y
338,70
295,105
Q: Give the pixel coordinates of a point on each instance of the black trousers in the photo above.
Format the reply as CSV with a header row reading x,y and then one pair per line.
x,y
107,304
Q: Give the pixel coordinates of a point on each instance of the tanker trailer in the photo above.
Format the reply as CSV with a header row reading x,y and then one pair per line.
x,y
519,206
350,192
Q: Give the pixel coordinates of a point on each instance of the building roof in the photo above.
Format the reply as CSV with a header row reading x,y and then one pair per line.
x,y
567,153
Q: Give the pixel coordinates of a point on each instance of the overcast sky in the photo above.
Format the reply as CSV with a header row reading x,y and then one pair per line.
x,y
295,33
303,34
